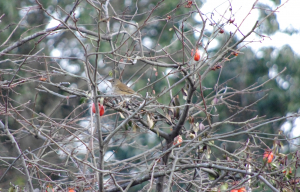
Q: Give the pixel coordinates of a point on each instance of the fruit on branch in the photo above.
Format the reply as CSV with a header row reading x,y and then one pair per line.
x,y
71,190
268,156
42,79
197,55
189,4
221,31
242,189
177,140
290,171
216,67
235,53
101,109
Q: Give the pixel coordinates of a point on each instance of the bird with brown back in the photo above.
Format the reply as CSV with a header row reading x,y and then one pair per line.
x,y
120,88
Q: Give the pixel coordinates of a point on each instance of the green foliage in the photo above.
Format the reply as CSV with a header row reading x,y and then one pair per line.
x,y
270,25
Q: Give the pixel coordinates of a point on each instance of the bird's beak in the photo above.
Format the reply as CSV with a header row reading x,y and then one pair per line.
x,y
110,80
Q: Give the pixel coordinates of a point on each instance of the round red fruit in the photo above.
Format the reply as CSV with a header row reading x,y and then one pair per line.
x,y
101,109
269,156
197,55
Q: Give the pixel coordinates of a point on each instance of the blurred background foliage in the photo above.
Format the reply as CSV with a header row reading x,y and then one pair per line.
x,y
243,71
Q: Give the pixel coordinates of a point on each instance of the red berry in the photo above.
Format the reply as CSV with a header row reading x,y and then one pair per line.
x,y
93,108
269,156
101,109
197,55
235,53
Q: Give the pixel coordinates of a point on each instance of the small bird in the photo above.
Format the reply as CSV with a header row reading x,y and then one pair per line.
x,y
120,88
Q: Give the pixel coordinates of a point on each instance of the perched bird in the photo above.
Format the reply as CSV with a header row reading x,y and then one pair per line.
x,y
120,88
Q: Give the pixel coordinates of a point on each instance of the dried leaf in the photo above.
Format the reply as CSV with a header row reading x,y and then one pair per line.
x,y
134,127
150,121
201,127
121,115
196,127
177,112
192,136
215,109
168,114
184,92
191,119
208,152
176,101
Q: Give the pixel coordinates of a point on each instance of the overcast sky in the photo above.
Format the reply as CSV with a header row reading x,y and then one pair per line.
x,y
288,17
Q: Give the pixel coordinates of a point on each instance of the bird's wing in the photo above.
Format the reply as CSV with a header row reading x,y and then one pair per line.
x,y
127,89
